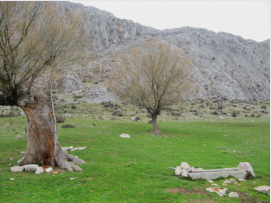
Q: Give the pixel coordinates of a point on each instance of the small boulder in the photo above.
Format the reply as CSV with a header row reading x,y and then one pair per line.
x,y
48,170
227,182
185,173
39,170
233,194
218,190
16,169
125,136
185,165
31,167
264,189
178,171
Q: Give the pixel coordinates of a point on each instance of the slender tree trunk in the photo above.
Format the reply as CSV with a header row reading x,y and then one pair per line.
x,y
43,147
155,126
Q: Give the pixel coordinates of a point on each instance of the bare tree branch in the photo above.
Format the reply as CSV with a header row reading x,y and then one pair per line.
x,y
154,76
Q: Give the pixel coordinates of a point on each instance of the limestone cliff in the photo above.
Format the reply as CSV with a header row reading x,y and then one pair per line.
x,y
225,64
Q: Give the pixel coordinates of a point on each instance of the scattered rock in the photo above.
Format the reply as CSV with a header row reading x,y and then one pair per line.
x,y
210,181
241,180
185,173
12,179
233,194
218,190
72,178
178,170
135,118
31,167
185,165
227,182
22,152
125,136
10,159
16,169
264,189
39,170
48,170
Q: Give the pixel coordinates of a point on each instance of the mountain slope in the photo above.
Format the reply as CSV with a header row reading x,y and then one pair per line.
x,y
226,65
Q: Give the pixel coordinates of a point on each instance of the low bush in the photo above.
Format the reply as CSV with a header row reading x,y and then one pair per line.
x,y
215,112
68,126
60,118
235,113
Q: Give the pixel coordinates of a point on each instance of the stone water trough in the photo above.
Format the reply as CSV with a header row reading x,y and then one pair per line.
x,y
243,170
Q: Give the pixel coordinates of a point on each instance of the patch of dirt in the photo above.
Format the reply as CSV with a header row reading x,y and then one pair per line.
x,y
184,191
12,154
245,198
201,200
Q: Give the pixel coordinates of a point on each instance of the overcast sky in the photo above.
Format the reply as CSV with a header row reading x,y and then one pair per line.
x,y
248,19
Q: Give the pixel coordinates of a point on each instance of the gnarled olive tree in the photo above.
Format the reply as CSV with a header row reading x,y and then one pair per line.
x,y
154,76
37,37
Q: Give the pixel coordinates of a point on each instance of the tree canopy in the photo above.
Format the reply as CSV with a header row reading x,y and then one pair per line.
x,y
35,36
154,76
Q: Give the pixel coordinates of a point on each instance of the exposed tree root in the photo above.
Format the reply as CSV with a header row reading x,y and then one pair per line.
x,y
68,161
65,161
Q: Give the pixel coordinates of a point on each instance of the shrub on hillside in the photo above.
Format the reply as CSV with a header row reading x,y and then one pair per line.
x,y
68,126
220,106
235,113
60,118
215,112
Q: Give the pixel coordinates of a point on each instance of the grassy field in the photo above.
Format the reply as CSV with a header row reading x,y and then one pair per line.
x,y
135,169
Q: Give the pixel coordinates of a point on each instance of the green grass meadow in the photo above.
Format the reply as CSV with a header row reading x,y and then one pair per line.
x,y
135,169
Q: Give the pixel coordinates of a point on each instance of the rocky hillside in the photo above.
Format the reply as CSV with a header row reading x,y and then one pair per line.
x,y
226,65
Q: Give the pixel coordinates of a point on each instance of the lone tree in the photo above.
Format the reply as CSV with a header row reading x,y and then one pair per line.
x,y
154,77
36,37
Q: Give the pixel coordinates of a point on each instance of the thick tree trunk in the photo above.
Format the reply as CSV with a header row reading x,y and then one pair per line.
x,y
154,124
43,147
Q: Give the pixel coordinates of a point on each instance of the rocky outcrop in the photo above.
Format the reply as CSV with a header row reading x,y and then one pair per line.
x,y
225,65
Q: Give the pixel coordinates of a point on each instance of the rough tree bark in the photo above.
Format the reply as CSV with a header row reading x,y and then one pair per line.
x,y
43,147
155,125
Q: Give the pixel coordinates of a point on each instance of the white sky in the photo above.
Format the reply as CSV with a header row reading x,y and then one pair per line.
x,y
248,19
